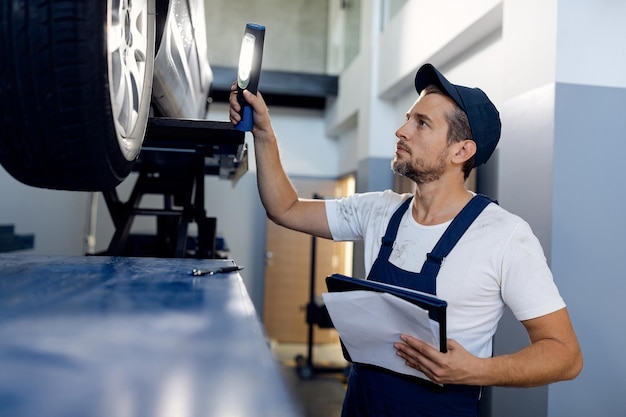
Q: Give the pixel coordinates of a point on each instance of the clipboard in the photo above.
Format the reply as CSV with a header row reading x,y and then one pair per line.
x,y
436,307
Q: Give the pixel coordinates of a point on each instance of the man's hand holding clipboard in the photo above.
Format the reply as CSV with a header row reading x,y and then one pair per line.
x,y
370,317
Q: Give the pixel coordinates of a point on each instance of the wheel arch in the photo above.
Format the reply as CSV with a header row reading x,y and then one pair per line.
x,y
161,8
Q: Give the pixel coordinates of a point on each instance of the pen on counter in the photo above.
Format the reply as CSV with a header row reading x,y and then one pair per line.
x,y
224,270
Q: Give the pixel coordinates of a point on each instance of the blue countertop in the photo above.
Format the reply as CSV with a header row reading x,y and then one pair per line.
x,y
103,336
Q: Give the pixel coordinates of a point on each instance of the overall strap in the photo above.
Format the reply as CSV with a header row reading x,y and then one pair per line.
x,y
453,233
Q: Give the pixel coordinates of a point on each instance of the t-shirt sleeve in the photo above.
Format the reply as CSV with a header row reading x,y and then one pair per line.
x,y
351,218
528,286
342,215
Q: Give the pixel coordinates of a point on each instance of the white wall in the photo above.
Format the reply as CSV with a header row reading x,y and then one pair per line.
x,y
590,40
55,218
425,31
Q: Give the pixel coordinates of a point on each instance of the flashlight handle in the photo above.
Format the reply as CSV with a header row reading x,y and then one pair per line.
x,y
258,31
247,118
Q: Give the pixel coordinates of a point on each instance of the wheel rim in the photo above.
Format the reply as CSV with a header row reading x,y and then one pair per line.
x,y
128,48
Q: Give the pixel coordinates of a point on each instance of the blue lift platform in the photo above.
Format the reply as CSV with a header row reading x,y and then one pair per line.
x,y
119,336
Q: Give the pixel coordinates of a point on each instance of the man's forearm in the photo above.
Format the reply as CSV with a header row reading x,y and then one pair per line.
x,y
275,189
553,355
540,363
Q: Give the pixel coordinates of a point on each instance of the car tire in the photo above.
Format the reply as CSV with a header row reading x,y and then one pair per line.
x,y
75,90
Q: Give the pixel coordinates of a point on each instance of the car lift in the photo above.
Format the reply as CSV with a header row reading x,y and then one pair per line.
x,y
175,157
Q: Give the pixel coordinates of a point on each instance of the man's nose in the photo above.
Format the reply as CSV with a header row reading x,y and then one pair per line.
x,y
401,132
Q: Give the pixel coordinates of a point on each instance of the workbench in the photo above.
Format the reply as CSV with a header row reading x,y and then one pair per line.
x,y
117,337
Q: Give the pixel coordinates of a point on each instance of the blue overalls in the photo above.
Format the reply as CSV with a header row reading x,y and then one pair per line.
x,y
376,392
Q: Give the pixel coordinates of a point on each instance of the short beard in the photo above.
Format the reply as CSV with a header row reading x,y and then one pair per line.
x,y
419,174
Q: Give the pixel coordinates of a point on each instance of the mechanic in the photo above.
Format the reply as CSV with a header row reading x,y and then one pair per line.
x,y
495,260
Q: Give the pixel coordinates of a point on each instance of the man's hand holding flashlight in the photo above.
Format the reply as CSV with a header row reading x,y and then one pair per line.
x,y
262,128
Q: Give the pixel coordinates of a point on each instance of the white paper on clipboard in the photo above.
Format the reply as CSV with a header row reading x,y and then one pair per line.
x,y
369,323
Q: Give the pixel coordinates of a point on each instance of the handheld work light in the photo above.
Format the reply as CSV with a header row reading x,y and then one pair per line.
x,y
249,71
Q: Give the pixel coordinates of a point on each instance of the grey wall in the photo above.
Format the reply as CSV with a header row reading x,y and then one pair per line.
x,y
561,168
588,249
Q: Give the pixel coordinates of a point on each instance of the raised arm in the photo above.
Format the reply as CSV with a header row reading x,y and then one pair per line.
x,y
278,195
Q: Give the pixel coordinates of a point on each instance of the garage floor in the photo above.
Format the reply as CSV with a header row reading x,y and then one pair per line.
x,y
322,395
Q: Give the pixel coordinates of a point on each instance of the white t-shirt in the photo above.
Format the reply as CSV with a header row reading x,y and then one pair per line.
x,y
497,262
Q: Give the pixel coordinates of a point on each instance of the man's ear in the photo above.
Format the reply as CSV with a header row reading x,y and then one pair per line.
x,y
464,151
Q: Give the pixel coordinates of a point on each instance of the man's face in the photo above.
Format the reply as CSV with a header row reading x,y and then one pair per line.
x,y
422,147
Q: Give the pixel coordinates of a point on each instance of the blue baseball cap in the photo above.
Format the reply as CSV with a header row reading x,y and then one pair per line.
x,y
483,116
